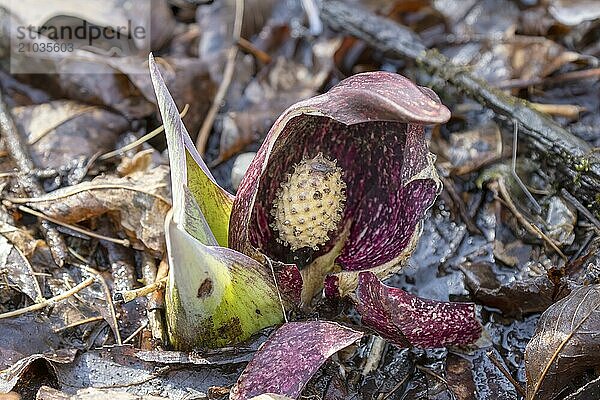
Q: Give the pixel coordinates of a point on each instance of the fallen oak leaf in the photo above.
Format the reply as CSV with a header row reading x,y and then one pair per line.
x,y
290,357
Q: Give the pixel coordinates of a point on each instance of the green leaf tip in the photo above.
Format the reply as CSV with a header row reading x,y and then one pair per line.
x,y
188,168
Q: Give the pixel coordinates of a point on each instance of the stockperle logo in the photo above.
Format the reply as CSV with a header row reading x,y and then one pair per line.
x,y
76,36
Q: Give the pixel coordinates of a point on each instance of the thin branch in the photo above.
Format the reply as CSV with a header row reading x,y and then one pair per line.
x,y
141,140
259,54
531,228
113,323
129,295
75,190
136,332
580,207
78,323
207,124
536,205
49,302
122,242
492,357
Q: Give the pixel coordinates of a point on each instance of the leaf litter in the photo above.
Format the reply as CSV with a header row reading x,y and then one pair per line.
x,y
526,295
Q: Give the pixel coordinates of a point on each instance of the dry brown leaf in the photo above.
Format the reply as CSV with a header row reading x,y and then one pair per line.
x,y
140,162
534,57
565,344
138,202
15,266
61,131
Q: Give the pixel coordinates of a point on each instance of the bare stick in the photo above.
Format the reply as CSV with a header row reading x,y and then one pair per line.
x,y
207,124
16,149
113,323
155,304
141,140
49,302
517,385
580,207
122,242
531,228
260,55
128,295
536,205
78,323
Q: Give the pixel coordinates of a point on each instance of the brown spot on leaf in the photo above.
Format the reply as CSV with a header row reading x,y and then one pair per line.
x,y
205,288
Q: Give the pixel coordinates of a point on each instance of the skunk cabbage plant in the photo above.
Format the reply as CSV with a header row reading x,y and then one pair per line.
x,y
332,203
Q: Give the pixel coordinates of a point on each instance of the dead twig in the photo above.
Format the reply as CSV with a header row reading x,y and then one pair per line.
x,y
49,129
129,295
581,208
249,47
48,302
135,333
78,323
86,232
16,149
207,124
75,190
155,304
531,228
113,323
460,204
570,111
513,170
494,360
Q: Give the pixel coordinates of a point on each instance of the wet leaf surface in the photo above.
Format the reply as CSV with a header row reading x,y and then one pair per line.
x,y
565,344
25,336
16,268
515,298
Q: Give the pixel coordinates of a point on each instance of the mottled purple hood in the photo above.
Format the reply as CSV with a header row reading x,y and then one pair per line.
x,y
372,124
359,157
